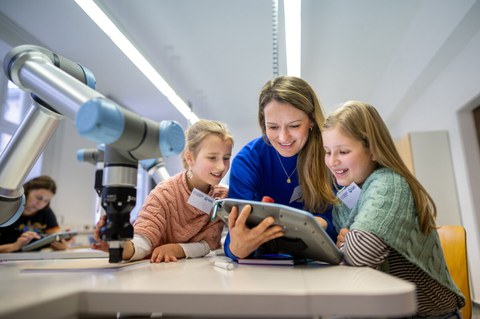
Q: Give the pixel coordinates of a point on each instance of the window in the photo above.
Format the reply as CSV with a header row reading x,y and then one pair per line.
x,y
476,117
4,139
13,109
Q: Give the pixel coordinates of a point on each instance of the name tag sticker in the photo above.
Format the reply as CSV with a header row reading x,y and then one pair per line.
x,y
200,200
349,195
297,193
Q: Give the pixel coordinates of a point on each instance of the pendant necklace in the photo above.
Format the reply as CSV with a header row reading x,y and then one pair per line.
x,y
288,176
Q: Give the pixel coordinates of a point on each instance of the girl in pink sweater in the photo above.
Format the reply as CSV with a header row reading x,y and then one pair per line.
x,y
172,224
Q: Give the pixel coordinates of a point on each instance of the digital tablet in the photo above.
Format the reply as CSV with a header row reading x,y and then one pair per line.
x,y
304,237
47,240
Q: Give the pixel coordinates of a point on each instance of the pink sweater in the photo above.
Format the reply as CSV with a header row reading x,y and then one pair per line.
x,y
166,217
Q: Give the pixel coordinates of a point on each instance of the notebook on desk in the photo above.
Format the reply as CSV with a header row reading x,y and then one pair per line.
x,y
82,265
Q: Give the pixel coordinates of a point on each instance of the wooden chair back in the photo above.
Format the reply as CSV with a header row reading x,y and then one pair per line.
x,y
454,245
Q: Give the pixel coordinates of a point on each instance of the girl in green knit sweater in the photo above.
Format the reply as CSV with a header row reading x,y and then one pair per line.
x,y
385,217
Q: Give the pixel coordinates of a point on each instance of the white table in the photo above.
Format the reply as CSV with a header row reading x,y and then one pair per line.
x,y
195,287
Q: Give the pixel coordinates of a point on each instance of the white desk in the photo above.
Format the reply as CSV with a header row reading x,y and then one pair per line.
x,y
196,287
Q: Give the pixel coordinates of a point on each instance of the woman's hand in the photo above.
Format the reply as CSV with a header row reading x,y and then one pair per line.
x,y
167,253
321,221
341,236
243,240
62,244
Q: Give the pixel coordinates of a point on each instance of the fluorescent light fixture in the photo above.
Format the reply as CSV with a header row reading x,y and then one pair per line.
x,y
293,35
107,26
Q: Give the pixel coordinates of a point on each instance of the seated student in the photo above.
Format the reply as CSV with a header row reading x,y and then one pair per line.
x,y
37,218
285,164
391,225
168,227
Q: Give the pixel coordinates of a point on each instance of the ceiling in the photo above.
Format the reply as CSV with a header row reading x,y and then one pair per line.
x,y
217,54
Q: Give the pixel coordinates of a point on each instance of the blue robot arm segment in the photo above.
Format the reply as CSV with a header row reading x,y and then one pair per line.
x,y
65,88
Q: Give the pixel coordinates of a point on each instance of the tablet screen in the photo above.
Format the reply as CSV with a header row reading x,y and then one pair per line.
x,y
304,237
47,240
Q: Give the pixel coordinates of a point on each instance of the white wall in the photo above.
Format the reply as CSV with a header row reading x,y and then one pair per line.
x,y
432,162
446,105
74,203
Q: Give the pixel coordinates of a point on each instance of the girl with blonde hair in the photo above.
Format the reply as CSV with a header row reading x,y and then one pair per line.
x,y
386,218
169,226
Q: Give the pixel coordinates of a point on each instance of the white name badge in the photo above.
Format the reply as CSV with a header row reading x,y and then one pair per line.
x,y
349,195
200,200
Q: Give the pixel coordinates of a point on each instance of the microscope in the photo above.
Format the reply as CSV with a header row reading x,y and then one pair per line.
x,y
62,88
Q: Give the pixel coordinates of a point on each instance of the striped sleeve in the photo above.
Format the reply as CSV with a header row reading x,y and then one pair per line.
x,y
362,248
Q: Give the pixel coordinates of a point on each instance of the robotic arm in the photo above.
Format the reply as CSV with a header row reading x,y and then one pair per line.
x,y
39,124
155,167
63,88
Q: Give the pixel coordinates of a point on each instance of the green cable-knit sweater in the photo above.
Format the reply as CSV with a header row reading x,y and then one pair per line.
x,y
386,208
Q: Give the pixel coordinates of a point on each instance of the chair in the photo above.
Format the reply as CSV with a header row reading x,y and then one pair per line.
x,y
454,245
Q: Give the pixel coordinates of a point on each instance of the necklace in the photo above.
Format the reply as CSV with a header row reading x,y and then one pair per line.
x,y
288,176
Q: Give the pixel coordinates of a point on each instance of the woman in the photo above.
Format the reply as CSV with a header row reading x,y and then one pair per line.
x,y
285,164
37,218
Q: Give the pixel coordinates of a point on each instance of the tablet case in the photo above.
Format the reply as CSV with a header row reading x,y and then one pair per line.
x,y
304,237
47,240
